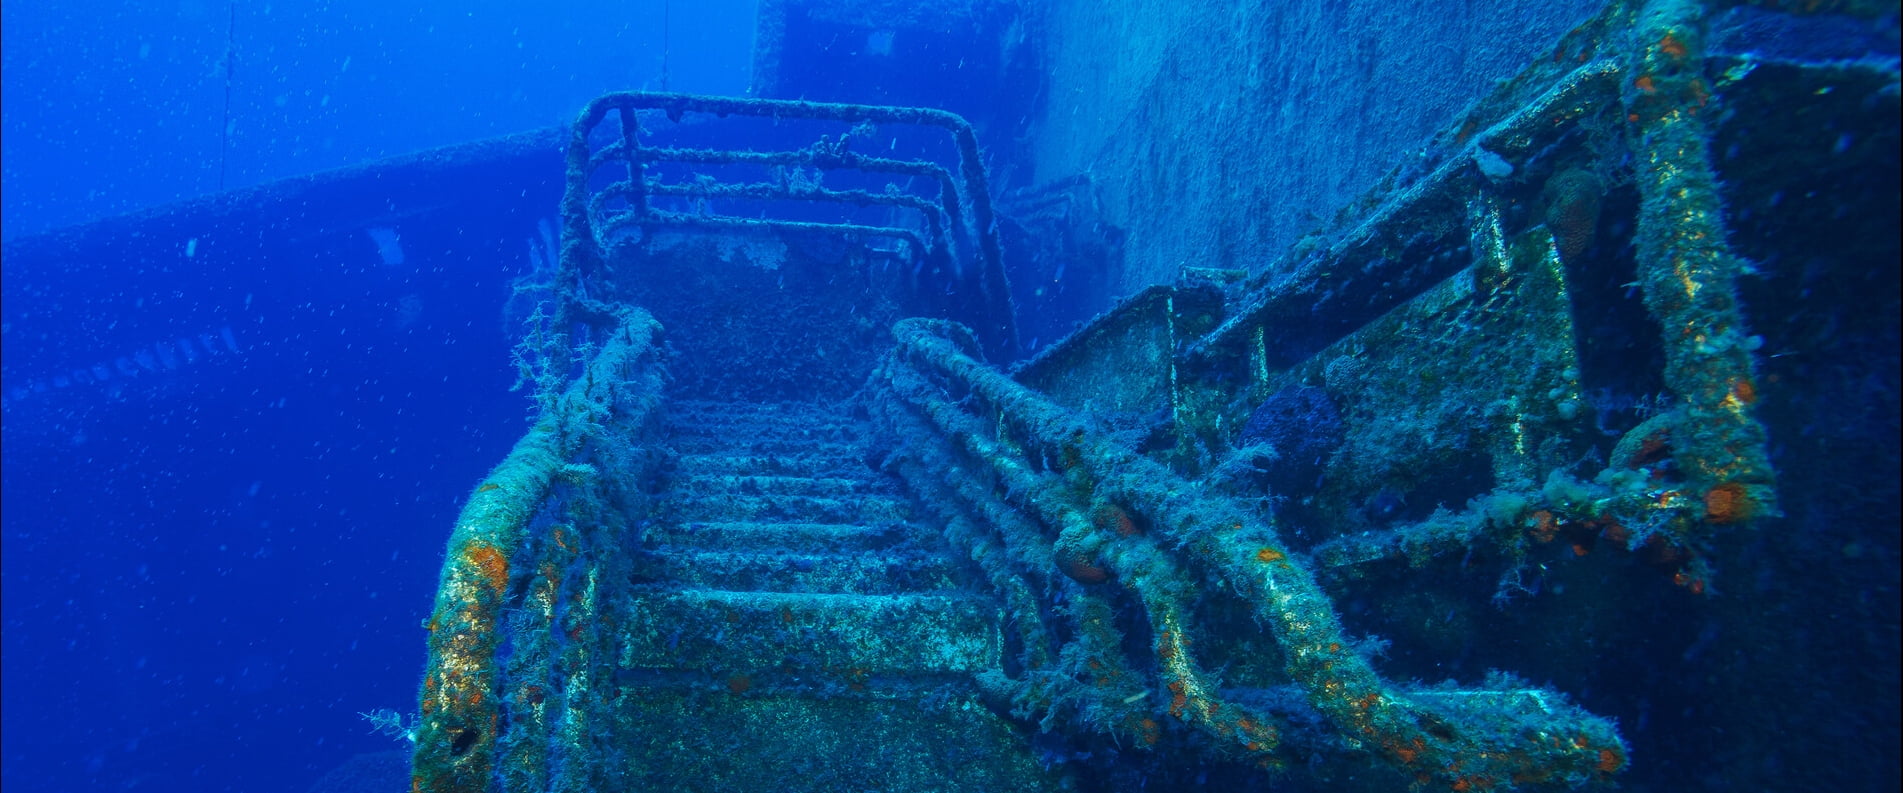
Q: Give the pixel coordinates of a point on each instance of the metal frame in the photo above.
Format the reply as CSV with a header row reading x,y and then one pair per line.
x,y
960,223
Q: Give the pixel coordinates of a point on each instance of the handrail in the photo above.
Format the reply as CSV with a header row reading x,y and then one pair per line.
x,y
462,704
954,237
1498,734
1687,272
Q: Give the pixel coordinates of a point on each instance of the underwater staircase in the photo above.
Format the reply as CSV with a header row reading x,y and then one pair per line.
x,y
794,630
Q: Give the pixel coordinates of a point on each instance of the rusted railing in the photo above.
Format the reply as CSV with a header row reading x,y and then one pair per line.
x,y
959,229
1063,496
510,671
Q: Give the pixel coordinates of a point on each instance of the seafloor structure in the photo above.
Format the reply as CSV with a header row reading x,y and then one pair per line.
x,y
797,515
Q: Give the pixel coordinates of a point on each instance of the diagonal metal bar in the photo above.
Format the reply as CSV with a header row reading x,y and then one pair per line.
x,y
1491,736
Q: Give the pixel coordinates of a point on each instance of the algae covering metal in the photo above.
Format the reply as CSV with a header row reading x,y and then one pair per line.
x,y
1456,411
531,556
940,236
1527,370
1504,419
1109,515
720,595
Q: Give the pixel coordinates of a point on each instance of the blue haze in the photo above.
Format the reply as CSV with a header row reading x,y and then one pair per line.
x,y
218,553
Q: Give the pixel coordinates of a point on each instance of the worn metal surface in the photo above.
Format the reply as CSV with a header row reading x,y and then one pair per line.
x,y
1518,411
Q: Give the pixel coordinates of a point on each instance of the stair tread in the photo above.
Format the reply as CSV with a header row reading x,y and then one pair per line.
x,y
797,684
778,484
678,497
705,444
790,427
816,509
814,427
720,405
743,631
773,464
753,739
795,571
789,627
812,536
827,600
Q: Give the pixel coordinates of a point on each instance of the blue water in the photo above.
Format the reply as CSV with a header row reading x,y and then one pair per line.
x,y
235,443
229,472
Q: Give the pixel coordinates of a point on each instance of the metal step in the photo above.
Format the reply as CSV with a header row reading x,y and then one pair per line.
x,y
748,464
792,631
746,632
753,740
818,486
688,508
817,428
729,444
811,537
696,407
798,572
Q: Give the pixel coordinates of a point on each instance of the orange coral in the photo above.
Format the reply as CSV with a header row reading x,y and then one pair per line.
x,y
1609,761
1671,46
1616,533
1112,518
1645,84
1652,448
1075,564
1152,732
1727,503
1260,737
1545,527
1409,753
1267,555
739,684
488,563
